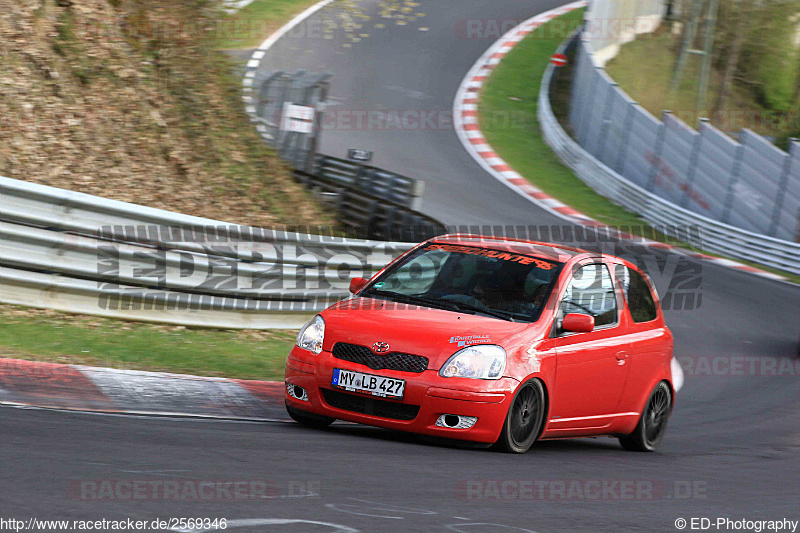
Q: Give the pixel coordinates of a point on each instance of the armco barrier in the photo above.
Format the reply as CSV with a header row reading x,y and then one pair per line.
x,y
371,212
747,183
714,236
79,253
374,181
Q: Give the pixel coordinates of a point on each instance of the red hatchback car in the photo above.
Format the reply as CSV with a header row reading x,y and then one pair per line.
x,y
491,341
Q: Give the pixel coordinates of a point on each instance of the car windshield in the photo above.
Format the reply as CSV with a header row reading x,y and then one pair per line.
x,y
470,279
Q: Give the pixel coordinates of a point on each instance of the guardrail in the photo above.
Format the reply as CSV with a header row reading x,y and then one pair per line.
x,y
394,187
371,216
714,236
738,179
79,253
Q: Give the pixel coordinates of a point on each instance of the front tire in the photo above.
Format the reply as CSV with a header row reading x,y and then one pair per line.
x,y
653,424
309,419
525,418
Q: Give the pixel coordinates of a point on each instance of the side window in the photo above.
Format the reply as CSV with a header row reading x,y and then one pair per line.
x,y
591,292
637,294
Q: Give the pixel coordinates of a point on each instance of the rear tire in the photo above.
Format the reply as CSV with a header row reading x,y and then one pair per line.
x,y
653,423
525,418
309,419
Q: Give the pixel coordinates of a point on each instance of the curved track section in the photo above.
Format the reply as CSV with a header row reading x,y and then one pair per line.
x,y
731,449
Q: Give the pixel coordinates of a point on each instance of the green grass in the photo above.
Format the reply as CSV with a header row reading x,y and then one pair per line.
x,y
251,25
63,338
507,114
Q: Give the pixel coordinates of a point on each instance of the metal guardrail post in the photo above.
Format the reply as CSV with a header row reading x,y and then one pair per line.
x,y
655,164
626,136
417,191
281,136
601,145
578,99
735,175
393,185
782,184
657,151
319,115
361,183
694,158
587,113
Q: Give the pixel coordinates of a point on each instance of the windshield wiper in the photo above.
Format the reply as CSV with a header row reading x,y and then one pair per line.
x,y
442,304
485,310
412,299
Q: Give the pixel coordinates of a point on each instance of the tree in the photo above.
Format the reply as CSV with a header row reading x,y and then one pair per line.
x,y
741,17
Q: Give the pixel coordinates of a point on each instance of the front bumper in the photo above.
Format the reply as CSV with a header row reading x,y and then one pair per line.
x,y
435,396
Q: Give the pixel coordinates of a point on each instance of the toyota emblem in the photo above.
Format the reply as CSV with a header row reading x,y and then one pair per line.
x,y
380,347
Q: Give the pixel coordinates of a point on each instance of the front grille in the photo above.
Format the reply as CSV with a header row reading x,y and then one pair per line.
x,y
387,361
370,406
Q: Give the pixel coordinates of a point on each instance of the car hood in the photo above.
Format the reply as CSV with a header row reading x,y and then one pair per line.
x,y
433,333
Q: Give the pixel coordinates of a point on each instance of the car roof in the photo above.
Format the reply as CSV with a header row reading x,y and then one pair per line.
x,y
555,252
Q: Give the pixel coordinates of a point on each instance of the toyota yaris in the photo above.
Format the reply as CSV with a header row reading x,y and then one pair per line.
x,y
491,341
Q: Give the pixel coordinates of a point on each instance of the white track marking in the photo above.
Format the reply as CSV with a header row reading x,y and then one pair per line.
x,y
487,526
253,522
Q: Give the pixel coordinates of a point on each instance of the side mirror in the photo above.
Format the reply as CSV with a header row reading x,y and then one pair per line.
x,y
356,284
578,323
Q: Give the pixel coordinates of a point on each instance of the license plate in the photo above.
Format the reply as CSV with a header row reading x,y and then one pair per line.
x,y
367,383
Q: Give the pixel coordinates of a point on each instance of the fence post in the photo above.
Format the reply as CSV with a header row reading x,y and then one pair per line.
x,y
262,105
735,174
417,190
578,79
694,157
657,149
285,81
601,145
319,117
587,114
782,184
626,136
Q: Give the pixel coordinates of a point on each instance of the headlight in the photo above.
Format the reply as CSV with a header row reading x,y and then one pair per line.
x,y
476,362
311,335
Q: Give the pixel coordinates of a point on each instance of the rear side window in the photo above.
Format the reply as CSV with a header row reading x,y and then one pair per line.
x,y
638,295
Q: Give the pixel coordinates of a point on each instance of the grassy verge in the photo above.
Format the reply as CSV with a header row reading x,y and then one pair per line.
x,y
250,26
512,92
62,338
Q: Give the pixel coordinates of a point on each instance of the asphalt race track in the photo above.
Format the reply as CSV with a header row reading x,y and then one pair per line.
x,y
732,448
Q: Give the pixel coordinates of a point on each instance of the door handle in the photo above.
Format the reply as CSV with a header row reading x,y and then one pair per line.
x,y
621,358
